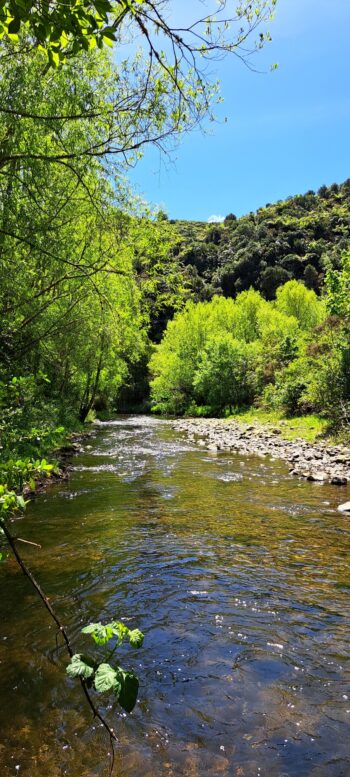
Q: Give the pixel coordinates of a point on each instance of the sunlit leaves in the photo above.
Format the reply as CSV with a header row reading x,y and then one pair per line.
x,y
10,501
136,638
106,679
80,666
338,289
102,675
103,633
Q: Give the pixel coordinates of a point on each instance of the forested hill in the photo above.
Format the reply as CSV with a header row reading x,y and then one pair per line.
x,y
297,238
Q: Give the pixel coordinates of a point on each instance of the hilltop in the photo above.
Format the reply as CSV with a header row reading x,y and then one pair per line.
x,y
297,238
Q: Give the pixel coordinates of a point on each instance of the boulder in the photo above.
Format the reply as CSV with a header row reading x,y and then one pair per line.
x,y
344,508
317,477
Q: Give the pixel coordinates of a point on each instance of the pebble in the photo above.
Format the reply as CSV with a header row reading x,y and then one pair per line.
x,y
316,462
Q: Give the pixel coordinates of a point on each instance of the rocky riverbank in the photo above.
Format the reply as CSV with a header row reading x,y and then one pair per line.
x,y
319,462
71,447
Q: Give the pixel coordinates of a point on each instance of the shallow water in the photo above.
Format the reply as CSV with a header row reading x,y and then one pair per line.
x,y
239,576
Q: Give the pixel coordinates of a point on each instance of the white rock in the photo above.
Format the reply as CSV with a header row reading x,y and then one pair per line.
x,y
344,508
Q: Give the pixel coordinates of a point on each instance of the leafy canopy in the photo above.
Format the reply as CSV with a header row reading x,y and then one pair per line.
x,y
66,28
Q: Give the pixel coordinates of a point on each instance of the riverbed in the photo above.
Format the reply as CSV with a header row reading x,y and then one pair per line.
x,y
238,574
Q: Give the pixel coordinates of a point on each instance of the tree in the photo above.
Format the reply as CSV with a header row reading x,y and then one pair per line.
x,y
271,278
221,379
65,29
338,289
294,299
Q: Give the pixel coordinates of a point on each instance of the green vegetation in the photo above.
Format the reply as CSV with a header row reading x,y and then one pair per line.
x,y
89,274
100,674
309,428
299,238
97,290
288,355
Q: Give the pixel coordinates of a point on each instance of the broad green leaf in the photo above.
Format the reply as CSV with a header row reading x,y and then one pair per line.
x,y
100,633
80,666
129,690
106,679
136,638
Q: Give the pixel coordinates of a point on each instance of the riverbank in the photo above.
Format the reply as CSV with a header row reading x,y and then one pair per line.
x,y
318,461
62,456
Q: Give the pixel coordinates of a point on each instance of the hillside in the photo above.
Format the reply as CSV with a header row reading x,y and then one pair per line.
x,y
296,238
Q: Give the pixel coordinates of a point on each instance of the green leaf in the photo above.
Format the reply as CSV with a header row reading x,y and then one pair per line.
x,y
136,638
119,629
80,666
106,679
129,690
100,633
14,26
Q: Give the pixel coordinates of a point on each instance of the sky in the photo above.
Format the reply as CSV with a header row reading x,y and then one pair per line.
x,y
287,131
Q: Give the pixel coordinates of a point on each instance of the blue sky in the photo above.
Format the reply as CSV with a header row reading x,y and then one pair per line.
x,y
287,131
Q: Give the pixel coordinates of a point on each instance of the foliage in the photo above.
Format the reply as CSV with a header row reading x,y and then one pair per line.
x,y
222,377
294,299
66,29
299,238
100,674
338,289
227,353
10,503
308,427
18,473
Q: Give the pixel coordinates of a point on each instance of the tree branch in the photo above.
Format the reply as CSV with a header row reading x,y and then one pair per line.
x,y
29,575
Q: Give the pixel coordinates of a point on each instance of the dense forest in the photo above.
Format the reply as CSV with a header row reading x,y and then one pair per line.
x,y
284,343
298,238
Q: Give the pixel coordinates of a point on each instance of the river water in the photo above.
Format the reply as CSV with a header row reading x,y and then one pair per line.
x,y
239,576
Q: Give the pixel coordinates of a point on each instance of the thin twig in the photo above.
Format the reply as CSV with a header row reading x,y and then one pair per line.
x,y
27,542
11,541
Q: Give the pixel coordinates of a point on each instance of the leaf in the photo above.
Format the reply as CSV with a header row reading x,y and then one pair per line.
x,y
100,633
129,690
119,629
80,666
136,638
106,679
14,26
107,41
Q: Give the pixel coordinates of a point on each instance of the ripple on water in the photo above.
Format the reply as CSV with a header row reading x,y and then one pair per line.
x,y
238,574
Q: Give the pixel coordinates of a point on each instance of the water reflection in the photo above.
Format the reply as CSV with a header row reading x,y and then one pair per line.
x,y
238,574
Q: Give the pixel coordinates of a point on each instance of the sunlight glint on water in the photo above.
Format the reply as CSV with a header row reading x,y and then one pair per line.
x,y
239,576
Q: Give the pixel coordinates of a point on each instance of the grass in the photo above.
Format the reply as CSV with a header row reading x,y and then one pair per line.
x,y
309,428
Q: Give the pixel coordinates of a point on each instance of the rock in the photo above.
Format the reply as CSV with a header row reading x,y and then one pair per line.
x,y
344,508
318,462
317,477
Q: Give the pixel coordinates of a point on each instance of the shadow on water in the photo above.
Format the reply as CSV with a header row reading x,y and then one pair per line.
x,y
239,576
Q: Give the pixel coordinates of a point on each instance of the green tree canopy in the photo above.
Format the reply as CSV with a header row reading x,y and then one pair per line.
x,y
65,29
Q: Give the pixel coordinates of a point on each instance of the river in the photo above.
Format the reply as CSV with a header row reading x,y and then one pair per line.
x,y
239,576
